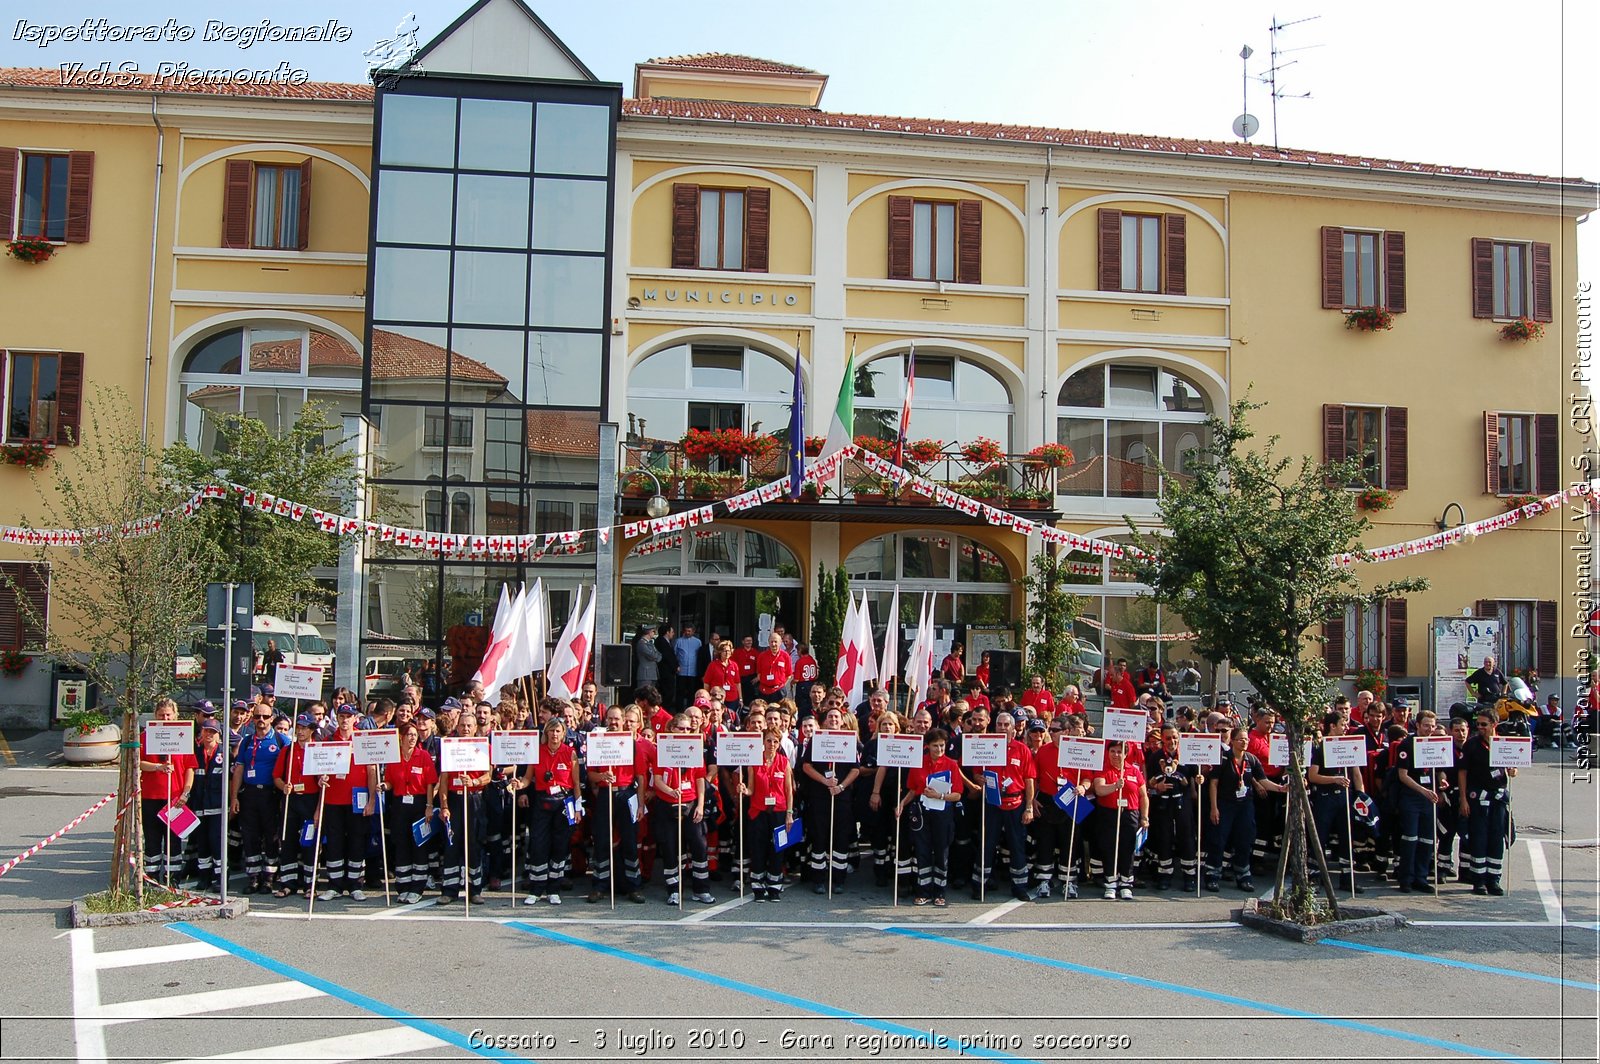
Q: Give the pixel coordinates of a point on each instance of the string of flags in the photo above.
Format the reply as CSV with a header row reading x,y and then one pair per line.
x,y
574,541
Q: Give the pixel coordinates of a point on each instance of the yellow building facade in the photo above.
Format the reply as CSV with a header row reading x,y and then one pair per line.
x,y
1097,291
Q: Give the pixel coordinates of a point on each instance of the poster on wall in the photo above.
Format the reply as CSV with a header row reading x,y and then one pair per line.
x,y
1459,646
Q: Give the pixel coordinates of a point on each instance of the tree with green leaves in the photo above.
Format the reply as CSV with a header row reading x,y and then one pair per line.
x,y
303,464
827,619
1051,611
1248,559
120,601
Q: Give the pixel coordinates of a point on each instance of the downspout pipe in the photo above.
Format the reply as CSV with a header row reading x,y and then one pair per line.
x,y
150,303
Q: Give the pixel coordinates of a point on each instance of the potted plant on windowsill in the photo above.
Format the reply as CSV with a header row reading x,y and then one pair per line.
x,y
1522,329
1517,502
34,454
14,662
1030,499
1369,319
90,738
870,490
1374,500
924,451
31,250
1372,680
1051,455
982,451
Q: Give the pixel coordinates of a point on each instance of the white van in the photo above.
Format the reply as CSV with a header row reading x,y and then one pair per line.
x,y
300,643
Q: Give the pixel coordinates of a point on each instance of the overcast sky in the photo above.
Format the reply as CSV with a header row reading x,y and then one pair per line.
x,y
1470,83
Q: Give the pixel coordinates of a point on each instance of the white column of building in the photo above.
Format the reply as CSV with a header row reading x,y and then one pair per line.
x,y
829,341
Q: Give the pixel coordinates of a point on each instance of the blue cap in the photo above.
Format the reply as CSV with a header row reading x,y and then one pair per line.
x,y
425,712
239,703
346,708
305,720
211,725
266,689
205,708
450,703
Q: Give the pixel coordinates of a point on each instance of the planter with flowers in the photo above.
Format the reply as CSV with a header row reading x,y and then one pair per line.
x,y
1369,319
814,445
14,662
1522,329
925,451
870,490
1517,502
90,738
31,250
982,451
33,455
874,445
1051,455
1374,500
1372,680
1029,499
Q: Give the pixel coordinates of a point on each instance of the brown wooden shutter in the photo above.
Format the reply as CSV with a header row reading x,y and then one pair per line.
x,y
1332,267
1545,639
1491,452
1546,454
685,227
69,397
1394,617
757,228
1394,272
1482,277
80,191
8,193
236,188
900,238
302,232
19,627
1332,432
1333,645
1175,267
1542,308
1396,460
1485,608
1110,250
969,241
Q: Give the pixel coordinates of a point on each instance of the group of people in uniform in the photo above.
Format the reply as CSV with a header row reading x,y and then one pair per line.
x,y
1030,826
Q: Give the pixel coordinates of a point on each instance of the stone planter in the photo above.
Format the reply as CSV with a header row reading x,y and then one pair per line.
x,y
1357,920
91,748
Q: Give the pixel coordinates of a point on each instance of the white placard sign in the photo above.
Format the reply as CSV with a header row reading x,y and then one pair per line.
x,y
298,681
983,751
169,737
514,746
1510,751
610,749
900,751
1459,646
1278,752
1435,751
326,759
464,753
381,746
1082,753
680,751
1199,749
1126,725
738,749
1344,751
834,747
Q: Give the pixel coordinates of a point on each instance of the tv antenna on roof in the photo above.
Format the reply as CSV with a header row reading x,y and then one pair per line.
x,y
1270,78
1245,126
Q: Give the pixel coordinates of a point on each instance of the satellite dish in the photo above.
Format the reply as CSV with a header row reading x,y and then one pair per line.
x,y
1245,126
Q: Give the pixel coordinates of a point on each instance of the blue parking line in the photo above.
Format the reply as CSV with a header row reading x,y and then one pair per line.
x,y
940,1042
1468,965
360,1001
1216,997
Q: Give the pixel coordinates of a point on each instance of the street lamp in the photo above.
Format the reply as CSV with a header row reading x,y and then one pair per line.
x,y
1443,522
656,505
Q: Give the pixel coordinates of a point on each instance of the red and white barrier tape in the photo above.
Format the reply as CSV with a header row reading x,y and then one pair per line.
x,y
42,843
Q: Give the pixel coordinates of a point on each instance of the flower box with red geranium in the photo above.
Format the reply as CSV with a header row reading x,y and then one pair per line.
x,y
12,662
1522,329
1369,319
30,250
1374,499
814,445
33,454
925,451
982,451
1051,455
873,445
1517,502
1372,680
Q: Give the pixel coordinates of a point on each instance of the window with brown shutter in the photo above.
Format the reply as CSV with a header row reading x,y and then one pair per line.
x,y
266,205
1396,441
80,194
935,240
24,604
1332,432
969,241
1482,278
1542,309
1363,268
46,196
8,192
1394,617
1110,249
721,228
1333,645
1379,435
1491,452
1545,640
69,398
1394,271
44,396
1142,252
900,238
1522,453
1511,279
1174,271
1528,632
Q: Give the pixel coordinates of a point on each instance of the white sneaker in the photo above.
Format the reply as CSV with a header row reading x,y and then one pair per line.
x,y
358,895
1127,893
532,899
1111,894
704,897
1043,891
672,899
555,899
327,895
409,898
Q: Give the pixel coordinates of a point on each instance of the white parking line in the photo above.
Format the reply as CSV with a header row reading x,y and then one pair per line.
x,y
132,958
717,910
1541,879
348,1047
87,1032
997,912
782,925
243,997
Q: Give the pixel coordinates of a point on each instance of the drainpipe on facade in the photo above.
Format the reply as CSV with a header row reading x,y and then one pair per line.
x,y
150,304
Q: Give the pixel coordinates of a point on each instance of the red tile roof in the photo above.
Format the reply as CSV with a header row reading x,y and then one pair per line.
x,y
140,81
569,433
397,357
745,64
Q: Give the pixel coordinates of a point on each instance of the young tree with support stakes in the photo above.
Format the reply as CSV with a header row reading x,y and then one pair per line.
x,y
827,619
1247,561
120,600
1051,611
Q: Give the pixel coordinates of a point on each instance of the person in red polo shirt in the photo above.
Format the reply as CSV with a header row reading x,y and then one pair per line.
x,y
163,779
771,790
551,785
774,669
615,796
344,827
1122,809
680,795
408,784
747,658
1269,807
1038,698
726,672
1014,813
1071,701
1119,686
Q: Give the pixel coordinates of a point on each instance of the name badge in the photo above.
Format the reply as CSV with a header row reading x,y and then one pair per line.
x,y
772,799
1061,781
770,676
1244,789
408,799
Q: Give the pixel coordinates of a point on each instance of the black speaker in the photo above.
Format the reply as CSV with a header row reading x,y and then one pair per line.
x,y
1005,670
616,665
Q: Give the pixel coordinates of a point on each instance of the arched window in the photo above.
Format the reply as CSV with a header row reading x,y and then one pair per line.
x,y
970,582
268,371
708,386
954,399
1121,420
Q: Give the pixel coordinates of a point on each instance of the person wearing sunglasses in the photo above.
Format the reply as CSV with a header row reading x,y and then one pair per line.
x,y
254,800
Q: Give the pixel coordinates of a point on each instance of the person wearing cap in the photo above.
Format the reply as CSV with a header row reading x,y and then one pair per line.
x,y
206,802
289,777
344,825
163,778
408,783
251,799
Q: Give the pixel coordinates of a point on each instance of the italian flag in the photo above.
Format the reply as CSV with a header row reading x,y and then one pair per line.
x,y
842,429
